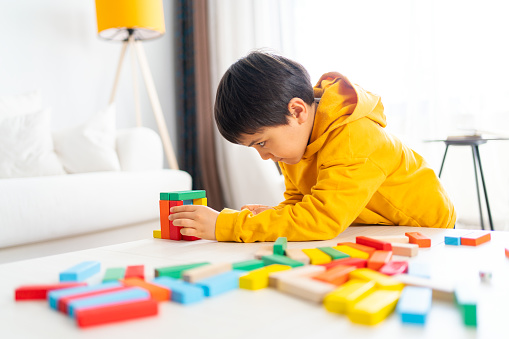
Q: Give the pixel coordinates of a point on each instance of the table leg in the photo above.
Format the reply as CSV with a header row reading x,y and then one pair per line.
x,y
443,161
477,186
478,156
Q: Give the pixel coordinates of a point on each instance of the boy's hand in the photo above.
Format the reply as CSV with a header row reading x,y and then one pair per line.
x,y
196,220
255,209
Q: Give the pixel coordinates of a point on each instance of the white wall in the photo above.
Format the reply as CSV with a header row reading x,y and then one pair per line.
x,y
52,45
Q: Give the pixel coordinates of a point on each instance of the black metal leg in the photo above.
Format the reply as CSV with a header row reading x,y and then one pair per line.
x,y
477,186
443,160
478,156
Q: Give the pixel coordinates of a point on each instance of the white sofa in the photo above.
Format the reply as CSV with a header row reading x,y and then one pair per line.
x,y
41,208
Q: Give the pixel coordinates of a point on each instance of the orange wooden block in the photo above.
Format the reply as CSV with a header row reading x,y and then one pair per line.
x,y
336,276
156,292
164,213
360,247
379,259
359,263
476,239
507,252
419,239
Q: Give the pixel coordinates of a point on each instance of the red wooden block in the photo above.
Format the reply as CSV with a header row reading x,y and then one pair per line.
x,y
190,238
367,249
379,259
137,271
117,312
377,244
63,303
394,267
476,240
40,292
164,213
336,276
418,238
359,263
175,230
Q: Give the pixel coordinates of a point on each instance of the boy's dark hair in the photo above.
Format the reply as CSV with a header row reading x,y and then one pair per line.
x,y
255,91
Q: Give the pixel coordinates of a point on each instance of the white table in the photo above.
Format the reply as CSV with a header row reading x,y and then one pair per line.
x,y
262,314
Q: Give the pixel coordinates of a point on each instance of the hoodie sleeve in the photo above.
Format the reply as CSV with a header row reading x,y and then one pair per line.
x,y
343,188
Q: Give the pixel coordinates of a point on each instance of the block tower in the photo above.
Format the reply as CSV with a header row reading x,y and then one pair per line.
x,y
170,199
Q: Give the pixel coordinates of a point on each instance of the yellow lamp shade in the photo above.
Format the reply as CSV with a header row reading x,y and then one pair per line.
x,y
116,18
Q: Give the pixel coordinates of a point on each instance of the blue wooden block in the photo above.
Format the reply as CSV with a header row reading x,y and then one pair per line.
x,y
55,296
81,271
129,294
453,241
187,202
220,283
414,304
181,291
419,269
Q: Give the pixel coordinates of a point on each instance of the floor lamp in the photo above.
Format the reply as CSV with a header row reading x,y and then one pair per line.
x,y
132,21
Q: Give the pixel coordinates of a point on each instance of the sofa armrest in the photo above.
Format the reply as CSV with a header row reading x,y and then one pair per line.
x,y
139,149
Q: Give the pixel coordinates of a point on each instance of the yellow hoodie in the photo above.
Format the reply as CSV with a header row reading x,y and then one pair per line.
x,y
352,171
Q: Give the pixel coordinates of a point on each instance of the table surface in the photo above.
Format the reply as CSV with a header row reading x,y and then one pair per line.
x,y
265,313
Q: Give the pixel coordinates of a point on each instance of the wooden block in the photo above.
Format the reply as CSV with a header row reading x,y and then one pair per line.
x,y
111,298
316,256
419,269
297,254
176,271
335,276
164,213
280,246
259,278
406,250
377,244
382,281
302,271
187,202
114,313
183,195
369,250
114,273
400,239
442,290
221,283
306,288
174,230
359,263
419,239
414,305
280,259
342,299
333,253
190,238
55,296
63,303
80,271
394,267
374,308
181,291
156,292
456,241
507,252
40,292
200,201
248,265
202,272
135,271
476,239
466,299
263,251
378,259
352,252
157,233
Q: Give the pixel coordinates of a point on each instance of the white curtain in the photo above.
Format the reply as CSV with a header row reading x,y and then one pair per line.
x,y
441,68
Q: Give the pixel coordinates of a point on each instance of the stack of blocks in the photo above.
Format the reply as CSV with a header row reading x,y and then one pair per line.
x,y
179,198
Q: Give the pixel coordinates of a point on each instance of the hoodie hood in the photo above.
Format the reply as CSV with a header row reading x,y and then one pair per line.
x,y
341,102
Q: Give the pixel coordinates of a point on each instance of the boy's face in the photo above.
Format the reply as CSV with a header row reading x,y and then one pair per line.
x,y
286,143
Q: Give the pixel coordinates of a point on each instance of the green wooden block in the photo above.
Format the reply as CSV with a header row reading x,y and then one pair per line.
x,y
176,271
280,246
114,273
333,253
280,259
466,299
183,195
248,265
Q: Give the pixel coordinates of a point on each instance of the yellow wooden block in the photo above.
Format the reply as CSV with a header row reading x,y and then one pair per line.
x,y
382,281
352,252
259,278
316,256
201,201
347,295
374,308
157,234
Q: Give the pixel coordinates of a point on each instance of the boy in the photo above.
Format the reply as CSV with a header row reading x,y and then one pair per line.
x,y
340,166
